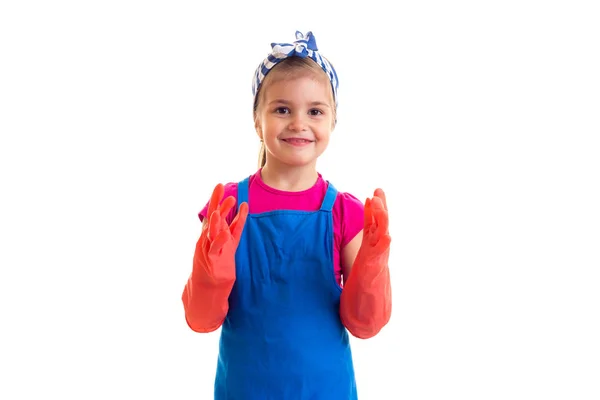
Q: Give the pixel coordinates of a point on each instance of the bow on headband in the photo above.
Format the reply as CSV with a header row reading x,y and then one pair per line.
x,y
304,46
299,48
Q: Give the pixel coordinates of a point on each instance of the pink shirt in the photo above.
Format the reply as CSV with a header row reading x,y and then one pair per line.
x,y
347,210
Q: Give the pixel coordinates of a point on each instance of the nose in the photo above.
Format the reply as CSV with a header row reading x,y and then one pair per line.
x,y
297,123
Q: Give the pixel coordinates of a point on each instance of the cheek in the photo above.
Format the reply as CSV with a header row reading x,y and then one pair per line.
x,y
272,125
325,129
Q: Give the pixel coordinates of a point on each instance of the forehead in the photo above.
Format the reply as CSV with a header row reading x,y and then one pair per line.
x,y
307,86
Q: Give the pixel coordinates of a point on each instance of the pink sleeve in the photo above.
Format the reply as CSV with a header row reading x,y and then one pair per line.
x,y
352,217
230,190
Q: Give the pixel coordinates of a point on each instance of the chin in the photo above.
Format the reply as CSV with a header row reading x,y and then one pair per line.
x,y
299,162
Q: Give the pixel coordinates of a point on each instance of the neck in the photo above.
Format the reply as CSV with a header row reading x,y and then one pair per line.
x,y
289,178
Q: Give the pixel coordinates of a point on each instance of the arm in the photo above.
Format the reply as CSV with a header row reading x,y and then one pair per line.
x,y
205,296
366,301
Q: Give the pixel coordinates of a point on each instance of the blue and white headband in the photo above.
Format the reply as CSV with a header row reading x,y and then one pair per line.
x,y
304,46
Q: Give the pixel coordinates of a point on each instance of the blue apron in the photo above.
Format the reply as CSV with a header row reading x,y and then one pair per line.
x,y
283,338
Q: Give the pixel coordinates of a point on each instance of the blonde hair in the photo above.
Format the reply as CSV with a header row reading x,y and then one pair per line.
x,y
291,67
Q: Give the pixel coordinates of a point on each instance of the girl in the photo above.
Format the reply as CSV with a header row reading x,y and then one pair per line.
x,y
297,265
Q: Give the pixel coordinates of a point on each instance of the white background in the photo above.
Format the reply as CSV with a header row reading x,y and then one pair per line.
x,y
480,120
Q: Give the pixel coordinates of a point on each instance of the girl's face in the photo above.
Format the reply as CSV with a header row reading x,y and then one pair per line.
x,y
295,120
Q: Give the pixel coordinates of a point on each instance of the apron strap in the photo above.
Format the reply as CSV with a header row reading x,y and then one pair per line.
x,y
242,195
330,197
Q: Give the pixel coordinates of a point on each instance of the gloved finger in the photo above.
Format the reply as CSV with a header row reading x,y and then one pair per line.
x,y
383,244
377,204
380,194
214,226
216,247
202,247
226,206
382,221
215,199
199,250
368,218
376,208
237,225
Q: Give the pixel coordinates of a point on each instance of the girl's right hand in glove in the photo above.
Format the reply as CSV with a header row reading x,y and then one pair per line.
x,y
214,258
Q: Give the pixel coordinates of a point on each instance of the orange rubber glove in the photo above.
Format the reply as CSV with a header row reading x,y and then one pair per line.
x,y
206,294
366,302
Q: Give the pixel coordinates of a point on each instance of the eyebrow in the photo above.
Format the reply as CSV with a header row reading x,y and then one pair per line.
x,y
314,103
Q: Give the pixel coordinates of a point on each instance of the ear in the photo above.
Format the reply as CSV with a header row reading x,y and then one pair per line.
x,y
258,129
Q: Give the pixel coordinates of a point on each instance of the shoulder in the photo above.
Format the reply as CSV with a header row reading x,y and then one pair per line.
x,y
348,210
348,202
229,189
349,207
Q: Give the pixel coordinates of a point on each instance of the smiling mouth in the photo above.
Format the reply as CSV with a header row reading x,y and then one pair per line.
x,y
297,141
